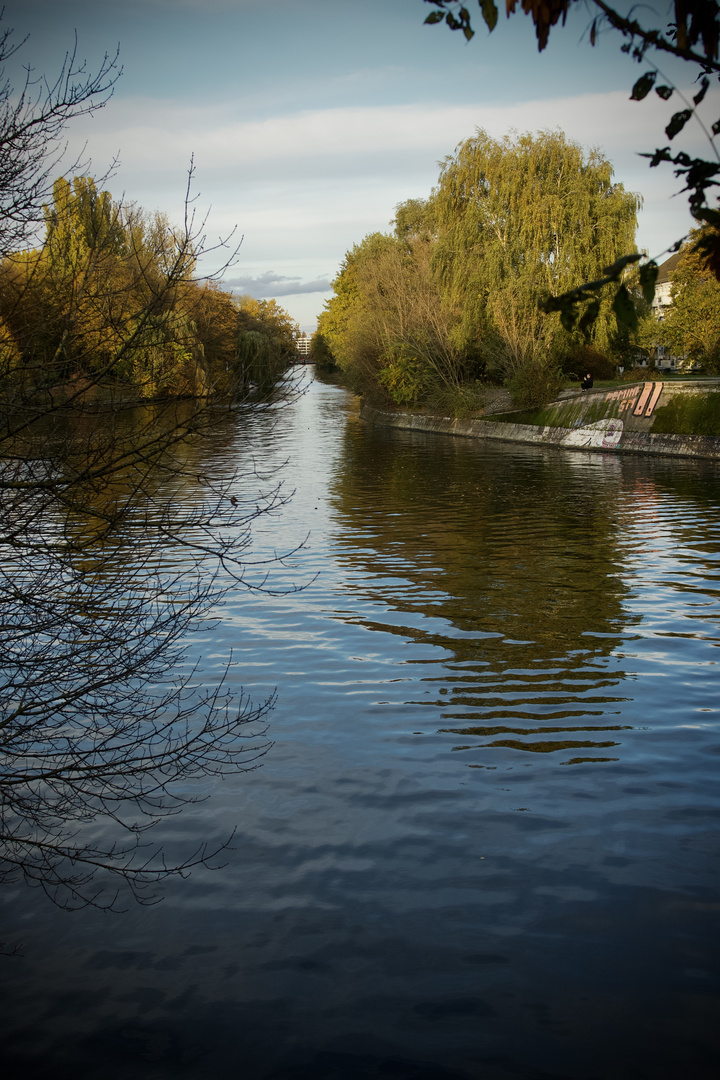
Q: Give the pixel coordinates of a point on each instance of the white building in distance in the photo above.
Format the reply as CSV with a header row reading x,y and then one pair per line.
x,y
662,302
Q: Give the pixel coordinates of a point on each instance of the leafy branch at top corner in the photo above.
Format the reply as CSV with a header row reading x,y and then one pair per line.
x,y
694,36
457,16
545,14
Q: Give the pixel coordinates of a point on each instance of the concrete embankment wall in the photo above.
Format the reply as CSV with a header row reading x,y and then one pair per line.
x,y
620,428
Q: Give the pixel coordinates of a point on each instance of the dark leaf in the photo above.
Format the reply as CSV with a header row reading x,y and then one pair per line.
x,y
589,317
716,128
435,17
678,122
711,217
568,317
658,156
648,276
613,272
708,246
624,309
489,13
593,31
643,86
626,47
705,82
665,92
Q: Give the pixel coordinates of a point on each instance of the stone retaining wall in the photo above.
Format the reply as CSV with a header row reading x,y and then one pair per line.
x,y
605,436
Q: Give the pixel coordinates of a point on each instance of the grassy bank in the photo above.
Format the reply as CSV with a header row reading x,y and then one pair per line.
x,y
689,414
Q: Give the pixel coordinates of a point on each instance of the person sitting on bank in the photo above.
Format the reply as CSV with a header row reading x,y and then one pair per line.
x,y
587,382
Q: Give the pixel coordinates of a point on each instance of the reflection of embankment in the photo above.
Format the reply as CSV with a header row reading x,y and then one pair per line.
x,y
506,561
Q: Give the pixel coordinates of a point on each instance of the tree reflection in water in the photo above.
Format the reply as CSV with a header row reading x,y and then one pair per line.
x,y
514,562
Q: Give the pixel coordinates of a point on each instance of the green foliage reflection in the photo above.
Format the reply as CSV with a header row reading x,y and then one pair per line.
x,y
510,564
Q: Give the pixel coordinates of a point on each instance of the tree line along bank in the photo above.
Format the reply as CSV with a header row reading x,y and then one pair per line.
x,y
448,302
111,297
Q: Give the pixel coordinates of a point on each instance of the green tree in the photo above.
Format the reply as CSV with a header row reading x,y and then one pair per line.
x,y
344,324
215,317
415,218
79,278
267,341
321,353
691,326
387,323
97,300
111,297
518,219
81,214
455,293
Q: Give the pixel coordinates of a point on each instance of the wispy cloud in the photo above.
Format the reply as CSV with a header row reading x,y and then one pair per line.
x,y
162,132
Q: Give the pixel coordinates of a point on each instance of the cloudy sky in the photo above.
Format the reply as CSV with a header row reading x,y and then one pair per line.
x,y
309,120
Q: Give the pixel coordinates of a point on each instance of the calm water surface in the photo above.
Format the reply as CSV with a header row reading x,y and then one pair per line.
x,y
484,843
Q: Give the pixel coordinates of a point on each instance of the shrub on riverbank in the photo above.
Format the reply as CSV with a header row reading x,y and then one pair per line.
x,y
535,383
464,402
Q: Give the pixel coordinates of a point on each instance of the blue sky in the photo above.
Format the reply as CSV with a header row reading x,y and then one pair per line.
x,y
309,120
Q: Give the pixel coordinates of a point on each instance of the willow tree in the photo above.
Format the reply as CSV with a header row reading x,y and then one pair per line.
x,y
520,218
689,31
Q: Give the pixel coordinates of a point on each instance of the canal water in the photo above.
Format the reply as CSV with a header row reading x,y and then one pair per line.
x,y
484,841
